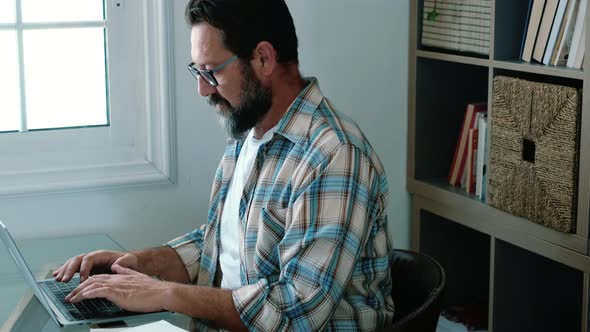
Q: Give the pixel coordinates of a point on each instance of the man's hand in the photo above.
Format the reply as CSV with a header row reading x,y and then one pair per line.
x,y
128,289
85,263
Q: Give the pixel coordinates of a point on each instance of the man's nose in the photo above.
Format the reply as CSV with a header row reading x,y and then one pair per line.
x,y
205,89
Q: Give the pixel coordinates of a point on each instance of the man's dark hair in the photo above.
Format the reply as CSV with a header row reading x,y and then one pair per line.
x,y
245,23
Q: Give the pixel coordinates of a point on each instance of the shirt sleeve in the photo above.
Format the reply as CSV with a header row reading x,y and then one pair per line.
x,y
325,234
189,248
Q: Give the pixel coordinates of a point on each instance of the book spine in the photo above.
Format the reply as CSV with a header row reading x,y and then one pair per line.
x,y
545,29
578,33
533,29
471,155
562,29
526,28
460,150
563,49
555,30
481,147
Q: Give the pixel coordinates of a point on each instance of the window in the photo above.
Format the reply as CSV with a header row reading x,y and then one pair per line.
x,y
56,64
100,71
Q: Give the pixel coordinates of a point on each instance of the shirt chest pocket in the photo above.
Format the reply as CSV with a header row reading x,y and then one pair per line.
x,y
271,231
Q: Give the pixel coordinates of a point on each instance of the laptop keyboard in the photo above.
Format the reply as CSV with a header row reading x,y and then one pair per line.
x,y
84,310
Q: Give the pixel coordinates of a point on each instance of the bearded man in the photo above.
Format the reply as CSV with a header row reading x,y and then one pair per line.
x,y
296,236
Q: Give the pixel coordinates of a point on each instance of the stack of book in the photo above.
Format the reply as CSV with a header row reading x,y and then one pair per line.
x,y
468,169
459,25
555,33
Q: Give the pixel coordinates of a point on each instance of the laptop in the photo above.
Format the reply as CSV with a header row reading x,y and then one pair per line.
x,y
51,294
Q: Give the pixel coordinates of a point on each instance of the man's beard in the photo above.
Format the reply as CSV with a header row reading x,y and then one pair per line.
x,y
254,105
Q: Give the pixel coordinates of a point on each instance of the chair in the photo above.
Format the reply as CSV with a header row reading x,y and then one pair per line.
x,y
418,284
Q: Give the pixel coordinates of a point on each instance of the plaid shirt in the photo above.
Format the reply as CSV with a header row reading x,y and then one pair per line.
x,y
314,247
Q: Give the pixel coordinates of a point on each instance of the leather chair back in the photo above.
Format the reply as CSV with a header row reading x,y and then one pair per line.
x,y
418,285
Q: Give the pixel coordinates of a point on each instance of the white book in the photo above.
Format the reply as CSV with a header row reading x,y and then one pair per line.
x,y
481,144
555,29
578,57
566,32
545,29
578,33
533,28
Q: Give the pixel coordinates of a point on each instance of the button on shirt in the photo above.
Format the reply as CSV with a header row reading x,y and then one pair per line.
x,y
313,240
229,255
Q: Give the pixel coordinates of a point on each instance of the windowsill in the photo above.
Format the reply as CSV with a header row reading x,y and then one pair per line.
x,y
82,179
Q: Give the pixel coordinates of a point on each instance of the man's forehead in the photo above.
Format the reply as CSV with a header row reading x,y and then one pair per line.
x,y
205,42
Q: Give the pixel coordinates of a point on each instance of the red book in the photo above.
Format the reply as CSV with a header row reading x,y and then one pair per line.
x,y
460,158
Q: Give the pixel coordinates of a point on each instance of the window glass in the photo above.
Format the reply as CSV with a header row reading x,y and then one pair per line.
x,y
65,79
9,82
62,10
7,11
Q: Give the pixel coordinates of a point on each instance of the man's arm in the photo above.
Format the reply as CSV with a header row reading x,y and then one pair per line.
x,y
163,262
212,304
134,291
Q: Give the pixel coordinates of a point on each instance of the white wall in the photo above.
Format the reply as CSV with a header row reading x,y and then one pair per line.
x,y
358,50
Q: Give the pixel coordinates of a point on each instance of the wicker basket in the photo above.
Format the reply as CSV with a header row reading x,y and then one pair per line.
x,y
534,149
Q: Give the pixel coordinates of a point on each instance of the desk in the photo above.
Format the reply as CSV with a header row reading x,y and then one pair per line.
x,y
41,254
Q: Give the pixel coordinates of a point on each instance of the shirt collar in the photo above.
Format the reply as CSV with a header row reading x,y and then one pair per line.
x,y
296,122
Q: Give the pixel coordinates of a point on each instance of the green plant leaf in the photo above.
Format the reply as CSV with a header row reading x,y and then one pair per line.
x,y
432,15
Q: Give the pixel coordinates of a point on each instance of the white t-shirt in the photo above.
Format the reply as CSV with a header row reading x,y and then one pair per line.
x,y
229,257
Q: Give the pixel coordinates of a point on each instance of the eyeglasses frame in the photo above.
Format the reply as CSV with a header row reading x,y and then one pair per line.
x,y
207,74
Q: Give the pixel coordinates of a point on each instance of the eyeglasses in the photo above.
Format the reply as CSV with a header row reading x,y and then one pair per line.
x,y
208,74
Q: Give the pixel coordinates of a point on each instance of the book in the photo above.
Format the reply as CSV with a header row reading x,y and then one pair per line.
x,y
534,21
481,144
578,35
568,34
555,30
544,29
577,58
458,163
471,160
526,26
564,30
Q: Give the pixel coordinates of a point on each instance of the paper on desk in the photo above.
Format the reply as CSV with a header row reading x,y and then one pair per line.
x,y
159,326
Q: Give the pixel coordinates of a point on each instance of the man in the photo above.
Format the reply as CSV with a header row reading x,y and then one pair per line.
x,y
296,236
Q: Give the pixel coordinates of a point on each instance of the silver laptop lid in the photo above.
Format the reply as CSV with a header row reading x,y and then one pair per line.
x,y
24,268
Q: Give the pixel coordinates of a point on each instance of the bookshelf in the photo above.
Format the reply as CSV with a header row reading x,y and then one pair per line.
x,y
530,277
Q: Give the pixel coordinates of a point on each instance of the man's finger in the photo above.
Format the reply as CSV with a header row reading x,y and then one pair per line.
x,y
72,269
102,292
65,274
85,267
81,293
62,270
123,270
76,291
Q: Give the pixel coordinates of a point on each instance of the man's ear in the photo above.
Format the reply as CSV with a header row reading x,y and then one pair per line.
x,y
264,59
